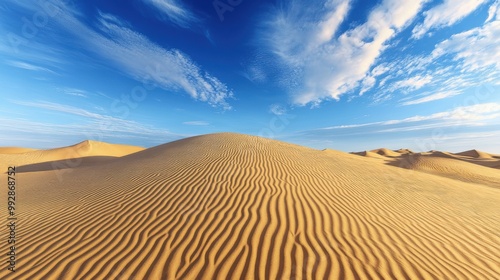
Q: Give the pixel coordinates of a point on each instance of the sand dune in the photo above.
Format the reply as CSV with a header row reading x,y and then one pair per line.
x,y
475,154
89,152
451,168
405,151
470,166
231,206
371,155
386,152
15,150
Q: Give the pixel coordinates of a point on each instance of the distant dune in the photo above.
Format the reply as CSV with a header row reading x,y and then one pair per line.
x,y
471,166
88,153
370,154
232,206
475,154
386,152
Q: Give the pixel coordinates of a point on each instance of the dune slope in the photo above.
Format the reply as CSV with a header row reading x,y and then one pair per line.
x,y
230,206
452,168
63,156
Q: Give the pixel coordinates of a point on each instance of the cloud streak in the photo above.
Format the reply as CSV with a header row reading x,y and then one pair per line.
x,y
322,65
138,57
420,132
174,11
478,48
432,97
445,14
28,66
92,125
467,115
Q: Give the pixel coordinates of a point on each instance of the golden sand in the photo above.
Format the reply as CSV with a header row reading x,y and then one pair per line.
x,y
231,206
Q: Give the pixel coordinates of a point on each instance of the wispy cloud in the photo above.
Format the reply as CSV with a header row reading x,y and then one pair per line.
x,y
277,109
445,14
174,11
28,66
137,56
432,97
197,123
74,92
254,74
91,124
477,48
457,65
468,115
420,132
145,60
411,83
322,65
494,11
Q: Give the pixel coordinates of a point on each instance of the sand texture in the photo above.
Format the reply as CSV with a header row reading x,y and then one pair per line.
x,y
231,206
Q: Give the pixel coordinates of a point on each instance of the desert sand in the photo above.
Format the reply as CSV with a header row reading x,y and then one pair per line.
x,y
82,154
232,206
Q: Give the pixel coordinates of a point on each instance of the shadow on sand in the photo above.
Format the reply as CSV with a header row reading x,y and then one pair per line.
x,y
64,164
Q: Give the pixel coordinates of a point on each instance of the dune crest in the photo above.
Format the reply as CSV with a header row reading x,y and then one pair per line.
x,y
386,152
475,154
232,206
370,154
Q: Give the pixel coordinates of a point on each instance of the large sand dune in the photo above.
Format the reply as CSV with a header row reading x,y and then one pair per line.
x,y
231,206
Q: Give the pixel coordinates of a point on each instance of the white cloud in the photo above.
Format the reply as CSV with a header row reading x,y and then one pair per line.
x,y
446,14
419,133
433,97
457,65
367,83
145,60
319,66
277,109
197,123
137,56
478,47
92,124
74,92
412,83
464,114
174,11
494,11
28,66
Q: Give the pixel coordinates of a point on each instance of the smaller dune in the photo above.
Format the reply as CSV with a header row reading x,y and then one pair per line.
x,y
96,148
475,154
471,166
93,151
386,152
445,166
370,154
442,154
405,151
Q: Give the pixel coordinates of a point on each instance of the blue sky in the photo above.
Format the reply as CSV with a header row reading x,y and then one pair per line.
x,y
346,75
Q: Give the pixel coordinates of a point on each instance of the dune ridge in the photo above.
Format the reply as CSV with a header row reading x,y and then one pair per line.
x,y
15,150
475,154
470,166
386,152
231,206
